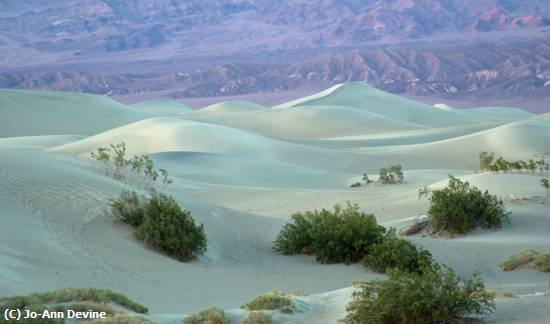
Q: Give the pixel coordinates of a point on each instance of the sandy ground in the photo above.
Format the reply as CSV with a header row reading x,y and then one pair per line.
x,y
242,169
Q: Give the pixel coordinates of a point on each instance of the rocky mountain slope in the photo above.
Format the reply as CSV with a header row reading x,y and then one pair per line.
x,y
449,48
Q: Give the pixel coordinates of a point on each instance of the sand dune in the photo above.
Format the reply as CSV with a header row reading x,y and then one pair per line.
x,y
514,141
162,134
242,170
359,95
161,107
227,107
311,122
26,113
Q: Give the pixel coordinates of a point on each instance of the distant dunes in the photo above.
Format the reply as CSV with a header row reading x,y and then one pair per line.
x,y
242,170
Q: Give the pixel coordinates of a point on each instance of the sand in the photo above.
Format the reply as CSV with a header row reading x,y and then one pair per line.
x,y
242,169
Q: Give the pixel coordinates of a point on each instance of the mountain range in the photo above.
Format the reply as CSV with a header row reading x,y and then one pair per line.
x,y
459,49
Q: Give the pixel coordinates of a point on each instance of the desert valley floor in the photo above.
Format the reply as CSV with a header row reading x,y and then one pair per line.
x,y
242,169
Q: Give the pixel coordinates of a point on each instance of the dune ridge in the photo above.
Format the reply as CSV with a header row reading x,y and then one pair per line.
x,y
243,170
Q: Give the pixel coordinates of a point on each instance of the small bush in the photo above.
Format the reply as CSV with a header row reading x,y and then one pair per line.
x,y
396,253
271,301
501,294
124,319
391,175
460,208
114,163
71,295
208,316
519,260
258,318
355,185
529,259
343,235
161,223
545,183
487,162
79,299
437,296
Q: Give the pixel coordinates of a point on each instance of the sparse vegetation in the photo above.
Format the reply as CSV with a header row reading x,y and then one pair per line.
x,y
208,316
355,185
528,259
391,175
273,300
342,235
545,183
487,162
502,294
459,208
366,178
435,296
78,299
67,295
113,161
258,318
161,223
399,254
124,319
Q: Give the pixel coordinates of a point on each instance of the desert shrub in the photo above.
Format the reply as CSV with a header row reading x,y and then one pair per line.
x,y
79,299
545,183
391,175
258,318
127,208
85,306
501,294
437,296
114,163
519,260
487,162
366,178
542,262
271,301
396,253
355,185
459,208
528,259
342,235
124,319
208,316
161,223
68,295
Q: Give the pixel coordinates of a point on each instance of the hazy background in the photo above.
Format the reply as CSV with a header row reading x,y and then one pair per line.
x,y
461,52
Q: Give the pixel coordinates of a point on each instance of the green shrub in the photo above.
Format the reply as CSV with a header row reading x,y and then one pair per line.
x,y
128,208
79,299
208,316
396,253
545,183
113,161
391,175
460,208
68,295
258,318
270,301
501,294
161,223
436,296
528,259
487,162
519,260
343,235
124,319
355,185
